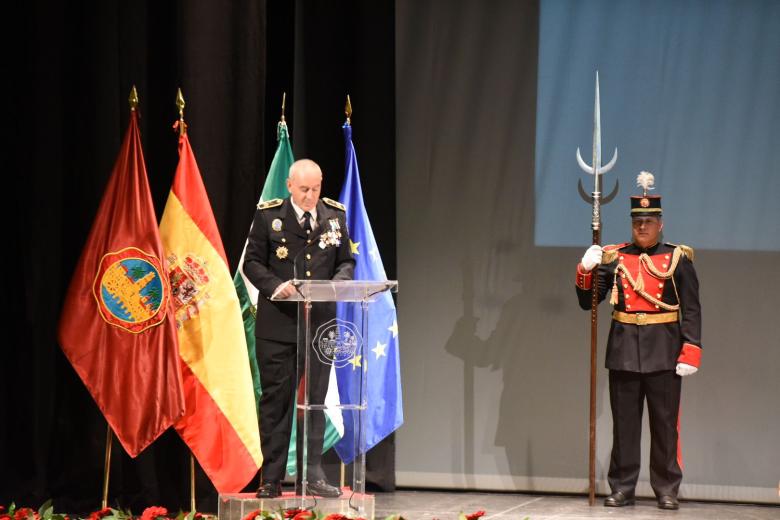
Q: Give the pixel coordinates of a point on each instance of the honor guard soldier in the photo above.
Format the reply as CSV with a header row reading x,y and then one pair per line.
x,y
302,237
654,339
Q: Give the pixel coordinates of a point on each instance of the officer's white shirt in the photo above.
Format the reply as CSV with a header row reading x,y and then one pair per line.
x,y
299,215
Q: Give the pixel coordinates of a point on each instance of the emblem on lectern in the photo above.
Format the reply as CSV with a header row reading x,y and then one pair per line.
x,y
336,342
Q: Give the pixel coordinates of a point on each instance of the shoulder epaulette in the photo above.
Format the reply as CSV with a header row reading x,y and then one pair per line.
x,y
270,203
334,203
686,250
610,252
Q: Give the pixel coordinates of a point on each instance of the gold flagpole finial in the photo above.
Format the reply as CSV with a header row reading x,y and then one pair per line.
x,y
284,99
180,105
348,110
133,99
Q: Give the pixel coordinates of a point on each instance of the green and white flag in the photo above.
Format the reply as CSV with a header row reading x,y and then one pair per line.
x,y
275,187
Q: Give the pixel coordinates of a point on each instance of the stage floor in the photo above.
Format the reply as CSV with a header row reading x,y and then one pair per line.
x,y
427,505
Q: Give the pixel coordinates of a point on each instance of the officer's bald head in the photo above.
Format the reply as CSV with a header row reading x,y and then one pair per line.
x,y
305,168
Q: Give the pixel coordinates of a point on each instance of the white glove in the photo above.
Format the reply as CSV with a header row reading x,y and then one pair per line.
x,y
684,369
591,258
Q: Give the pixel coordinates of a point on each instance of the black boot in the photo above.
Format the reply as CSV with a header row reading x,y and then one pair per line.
x,y
321,488
269,489
619,499
668,502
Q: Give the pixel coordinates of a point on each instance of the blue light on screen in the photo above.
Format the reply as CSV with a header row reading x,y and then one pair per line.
x,y
689,91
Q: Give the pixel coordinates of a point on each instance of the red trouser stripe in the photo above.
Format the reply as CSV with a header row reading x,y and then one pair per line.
x,y
679,442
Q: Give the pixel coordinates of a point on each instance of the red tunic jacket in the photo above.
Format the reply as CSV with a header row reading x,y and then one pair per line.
x,y
652,347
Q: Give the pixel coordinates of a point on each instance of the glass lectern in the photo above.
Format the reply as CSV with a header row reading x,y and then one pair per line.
x,y
333,318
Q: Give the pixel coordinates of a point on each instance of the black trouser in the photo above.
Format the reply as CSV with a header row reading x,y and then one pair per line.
x,y
277,363
627,393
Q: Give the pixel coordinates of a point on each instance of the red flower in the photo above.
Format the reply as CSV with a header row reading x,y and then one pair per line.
x,y
304,515
154,512
5,517
24,513
474,516
252,515
97,515
335,516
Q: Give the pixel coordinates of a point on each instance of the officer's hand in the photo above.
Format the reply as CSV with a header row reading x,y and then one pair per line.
x,y
591,258
285,290
684,369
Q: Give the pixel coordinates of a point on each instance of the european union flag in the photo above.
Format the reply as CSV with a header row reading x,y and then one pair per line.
x,y
380,360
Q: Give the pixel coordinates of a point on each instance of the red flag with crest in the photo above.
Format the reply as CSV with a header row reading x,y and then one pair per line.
x,y
116,326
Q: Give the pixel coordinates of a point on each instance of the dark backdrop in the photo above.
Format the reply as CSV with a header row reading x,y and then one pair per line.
x,y
72,70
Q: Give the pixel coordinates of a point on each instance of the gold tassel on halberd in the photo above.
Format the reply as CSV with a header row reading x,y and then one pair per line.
x,y
613,297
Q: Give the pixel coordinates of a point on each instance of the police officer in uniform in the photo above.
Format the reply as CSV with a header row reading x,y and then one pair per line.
x,y
302,237
654,340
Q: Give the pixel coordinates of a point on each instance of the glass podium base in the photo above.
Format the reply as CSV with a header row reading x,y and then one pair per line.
x,y
236,506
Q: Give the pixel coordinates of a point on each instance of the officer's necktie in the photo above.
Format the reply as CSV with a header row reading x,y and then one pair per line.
x,y
307,222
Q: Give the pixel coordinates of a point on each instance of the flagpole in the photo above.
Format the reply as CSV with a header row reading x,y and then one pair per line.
x,y
182,126
282,120
107,462
192,482
182,129
132,100
348,113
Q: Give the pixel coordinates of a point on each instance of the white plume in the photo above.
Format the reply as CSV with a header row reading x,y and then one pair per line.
x,y
645,180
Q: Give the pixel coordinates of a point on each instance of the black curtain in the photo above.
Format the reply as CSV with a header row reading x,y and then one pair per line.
x,y
73,67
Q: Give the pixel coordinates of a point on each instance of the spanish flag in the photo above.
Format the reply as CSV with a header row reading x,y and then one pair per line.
x,y
220,421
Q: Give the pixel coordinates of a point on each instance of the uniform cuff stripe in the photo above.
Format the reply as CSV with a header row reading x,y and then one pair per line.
x,y
690,354
584,279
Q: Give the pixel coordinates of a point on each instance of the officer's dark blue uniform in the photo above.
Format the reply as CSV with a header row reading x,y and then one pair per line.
x,y
275,241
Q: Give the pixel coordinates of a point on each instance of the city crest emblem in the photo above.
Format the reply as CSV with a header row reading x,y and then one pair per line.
x,y
189,280
129,290
336,342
